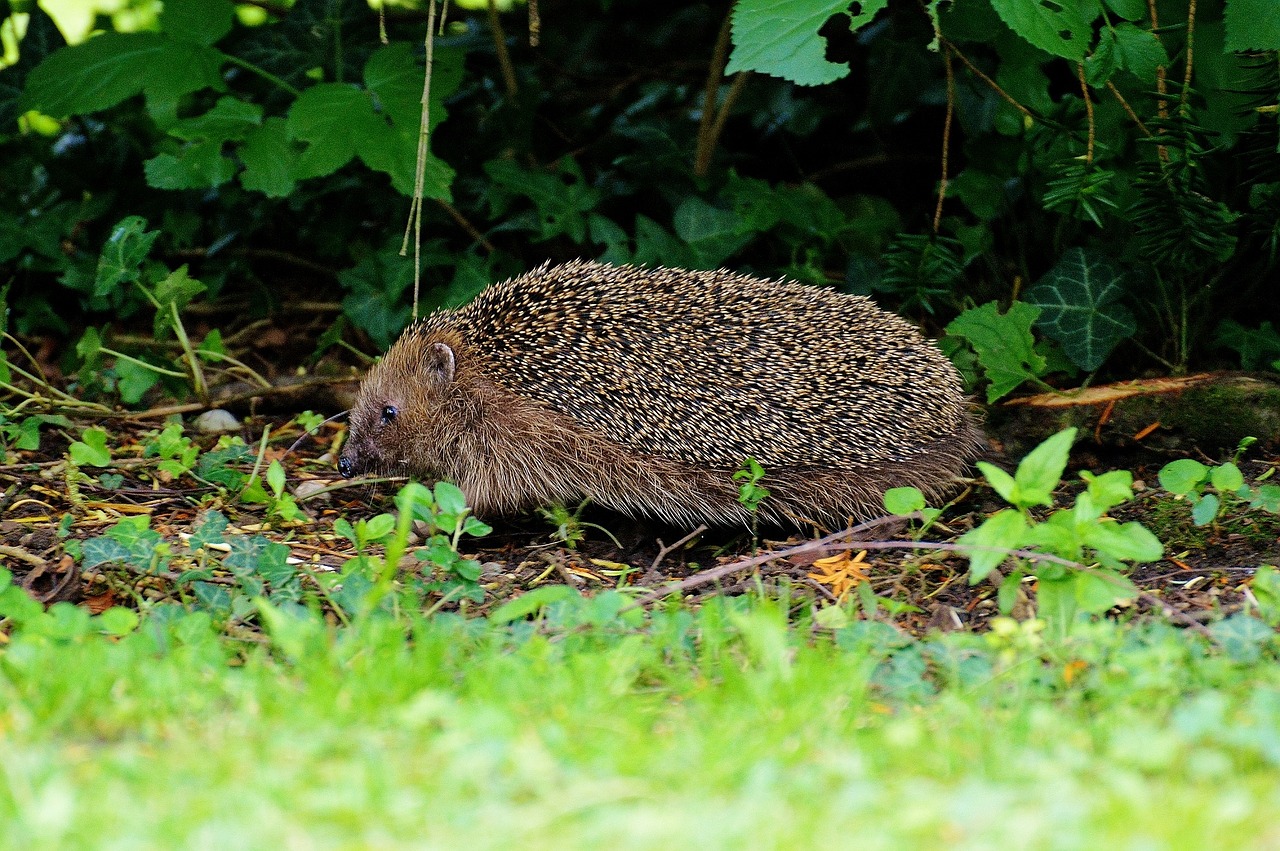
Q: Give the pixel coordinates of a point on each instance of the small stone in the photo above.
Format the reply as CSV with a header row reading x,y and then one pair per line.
x,y
216,421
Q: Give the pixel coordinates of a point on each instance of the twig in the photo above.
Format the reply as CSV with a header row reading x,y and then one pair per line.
x,y
466,225
664,550
22,555
946,135
1088,111
715,73
500,46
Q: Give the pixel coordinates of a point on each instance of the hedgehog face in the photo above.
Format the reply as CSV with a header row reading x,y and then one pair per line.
x,y
393,429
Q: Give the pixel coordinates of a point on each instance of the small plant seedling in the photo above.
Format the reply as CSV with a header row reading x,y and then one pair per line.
x,y
280,505
570,527
1075,537
751,493
1212,490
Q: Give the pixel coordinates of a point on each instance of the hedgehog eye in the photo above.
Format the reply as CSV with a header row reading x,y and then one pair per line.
x,y
389,414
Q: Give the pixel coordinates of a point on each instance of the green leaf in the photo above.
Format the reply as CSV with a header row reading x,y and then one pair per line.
x,y
1110,489
1252,25
200,21
1003,531
133,380
1131,10
1140,52
1061,28
563,200
1098,590
270,159
334,119
531,601
103,550
1257,347
449,498
177,289
1003,343
91,450
1000,481
208,530
117,620
1243,636
903,500
1041,470
780,37
1080,303
1183,476
1056,604
122,256
1124,541
1205,509
275,478
1226,477
199,165
1266,590
714,233
105,70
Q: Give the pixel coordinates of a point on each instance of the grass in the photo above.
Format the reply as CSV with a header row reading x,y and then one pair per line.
x,y
736,726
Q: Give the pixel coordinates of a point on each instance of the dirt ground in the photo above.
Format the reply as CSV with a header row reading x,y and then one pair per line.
x,y
1205,572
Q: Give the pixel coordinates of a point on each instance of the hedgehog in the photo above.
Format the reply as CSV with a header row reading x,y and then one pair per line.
x,y
645,389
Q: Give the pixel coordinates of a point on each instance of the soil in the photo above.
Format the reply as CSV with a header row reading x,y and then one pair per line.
x,y
1205,573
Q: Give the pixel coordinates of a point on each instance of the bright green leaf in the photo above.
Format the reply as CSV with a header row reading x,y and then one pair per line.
x,y
1003,343
1183,476
1061,28
780,37
530,602
1205,509
1000,481
1226,477
1124,541
1040,471
903,500
91,450
998,534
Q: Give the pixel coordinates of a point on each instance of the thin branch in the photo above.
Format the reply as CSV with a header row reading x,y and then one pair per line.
x,y
1088,111
946,136
715,74
1133,116
500,46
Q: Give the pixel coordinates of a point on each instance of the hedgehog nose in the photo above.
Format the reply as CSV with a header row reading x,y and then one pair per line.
x,y
345,467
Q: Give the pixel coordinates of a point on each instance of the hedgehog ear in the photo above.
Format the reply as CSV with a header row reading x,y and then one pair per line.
x,y
441,363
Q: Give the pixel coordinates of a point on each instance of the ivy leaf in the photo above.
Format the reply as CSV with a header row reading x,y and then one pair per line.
x,y
1081,310
1252,25
1003,343
1062,28
780,37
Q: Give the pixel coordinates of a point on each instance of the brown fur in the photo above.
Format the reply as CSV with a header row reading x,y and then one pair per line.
x,y
509,450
